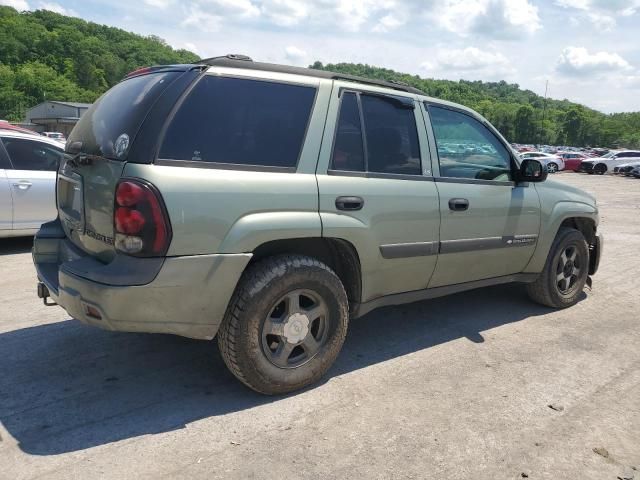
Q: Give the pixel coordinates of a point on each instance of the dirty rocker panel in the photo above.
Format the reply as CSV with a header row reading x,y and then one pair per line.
x,y
360,309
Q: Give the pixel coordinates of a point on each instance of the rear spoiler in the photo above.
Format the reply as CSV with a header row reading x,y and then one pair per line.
x,y
161,68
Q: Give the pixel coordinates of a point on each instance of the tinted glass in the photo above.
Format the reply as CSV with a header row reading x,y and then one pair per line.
x,y
238,121
392,136
468,149
119,111
348,152
32,155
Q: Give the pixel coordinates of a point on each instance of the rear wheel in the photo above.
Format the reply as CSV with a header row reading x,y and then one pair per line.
x,y
552,167
285,324
600,169
565,273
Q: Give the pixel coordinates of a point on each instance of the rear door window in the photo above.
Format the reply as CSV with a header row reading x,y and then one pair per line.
x,y
32,155
389,134
241,122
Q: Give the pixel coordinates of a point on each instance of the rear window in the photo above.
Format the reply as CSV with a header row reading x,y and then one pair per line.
x,y
112,122
242,122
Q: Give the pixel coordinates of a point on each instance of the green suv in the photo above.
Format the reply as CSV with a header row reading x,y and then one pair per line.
x,y
268,204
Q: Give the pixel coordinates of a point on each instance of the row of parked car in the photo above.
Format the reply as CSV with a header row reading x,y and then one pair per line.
x,y
615,161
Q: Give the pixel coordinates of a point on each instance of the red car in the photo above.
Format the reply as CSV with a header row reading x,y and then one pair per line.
x,y
4,125
572,160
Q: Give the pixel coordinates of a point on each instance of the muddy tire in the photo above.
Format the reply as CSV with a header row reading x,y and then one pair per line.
x,y
285,324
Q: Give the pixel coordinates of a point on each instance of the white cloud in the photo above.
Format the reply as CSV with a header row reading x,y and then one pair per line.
x,y
161,4
239,8
496,18
389,22
295,55
469,63
578,61
602,13
285,13
470,58
17,4
201,20
191,47
57,8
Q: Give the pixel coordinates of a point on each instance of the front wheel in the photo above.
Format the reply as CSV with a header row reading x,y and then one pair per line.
x,y
600,169
285,324
565,272
552,167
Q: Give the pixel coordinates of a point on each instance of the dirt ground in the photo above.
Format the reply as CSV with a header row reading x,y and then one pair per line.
x,y
480,385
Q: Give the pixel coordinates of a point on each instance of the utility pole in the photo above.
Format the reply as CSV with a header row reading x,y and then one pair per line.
x,y
544,110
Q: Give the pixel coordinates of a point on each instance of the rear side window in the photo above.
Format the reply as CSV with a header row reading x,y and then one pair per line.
x,y
390,135
112,122
239,121
32,155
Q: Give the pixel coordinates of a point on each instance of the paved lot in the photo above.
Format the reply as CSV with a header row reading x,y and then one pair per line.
x,y
458,387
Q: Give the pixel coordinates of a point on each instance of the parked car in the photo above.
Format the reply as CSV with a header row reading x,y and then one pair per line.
x,y
636,172
625,168
554,163
28,165
572,160
268,204
608,162
4,125
55,136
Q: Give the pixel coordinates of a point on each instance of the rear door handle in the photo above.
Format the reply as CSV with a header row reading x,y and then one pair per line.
x,y
351,204
23,184
458,204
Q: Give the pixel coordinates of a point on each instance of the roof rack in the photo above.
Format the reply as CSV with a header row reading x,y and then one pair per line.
x,y
243,61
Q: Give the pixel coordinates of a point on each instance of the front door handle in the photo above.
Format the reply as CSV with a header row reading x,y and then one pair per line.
x,y
458,204
23,184
350,204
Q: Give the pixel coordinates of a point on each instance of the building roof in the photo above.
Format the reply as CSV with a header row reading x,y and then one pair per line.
x,y
70,104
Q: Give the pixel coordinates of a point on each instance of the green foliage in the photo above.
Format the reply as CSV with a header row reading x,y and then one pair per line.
x,y
520,115
44,55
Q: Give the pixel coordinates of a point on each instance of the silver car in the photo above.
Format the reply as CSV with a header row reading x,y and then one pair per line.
x,y
554,163
28,165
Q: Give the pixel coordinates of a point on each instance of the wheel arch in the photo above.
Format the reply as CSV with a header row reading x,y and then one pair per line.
x,y
338,254
581,217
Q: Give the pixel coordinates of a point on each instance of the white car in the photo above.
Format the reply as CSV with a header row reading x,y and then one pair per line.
x,y
554,163
608,162
28,165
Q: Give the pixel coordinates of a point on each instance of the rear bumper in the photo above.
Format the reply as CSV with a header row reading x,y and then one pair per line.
x,y
186,295
595,252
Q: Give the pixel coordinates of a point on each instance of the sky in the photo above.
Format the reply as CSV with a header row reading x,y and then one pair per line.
x,y
588,50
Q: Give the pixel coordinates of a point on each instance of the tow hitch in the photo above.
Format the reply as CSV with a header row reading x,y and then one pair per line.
x,y
43,293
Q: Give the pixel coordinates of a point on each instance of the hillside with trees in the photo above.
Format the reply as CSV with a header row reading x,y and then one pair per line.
x,y
520,115
44,55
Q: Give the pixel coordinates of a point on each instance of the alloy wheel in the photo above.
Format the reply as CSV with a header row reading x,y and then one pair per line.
x,y
568,270
295,329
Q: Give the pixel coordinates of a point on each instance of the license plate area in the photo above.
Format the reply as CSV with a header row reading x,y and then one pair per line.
x,y
71,201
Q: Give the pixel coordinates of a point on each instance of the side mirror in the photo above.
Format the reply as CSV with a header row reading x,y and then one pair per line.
x,y
532,170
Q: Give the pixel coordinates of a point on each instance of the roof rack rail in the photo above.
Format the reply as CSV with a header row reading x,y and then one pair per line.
x,y
230,56
243,61
396,85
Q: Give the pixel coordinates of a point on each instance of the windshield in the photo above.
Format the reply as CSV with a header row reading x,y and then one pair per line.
x,y
110,125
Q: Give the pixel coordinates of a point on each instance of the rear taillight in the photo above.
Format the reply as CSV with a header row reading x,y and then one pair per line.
x,y
140,220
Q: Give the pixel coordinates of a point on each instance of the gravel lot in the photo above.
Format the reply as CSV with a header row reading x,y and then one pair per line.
x,y
479,385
